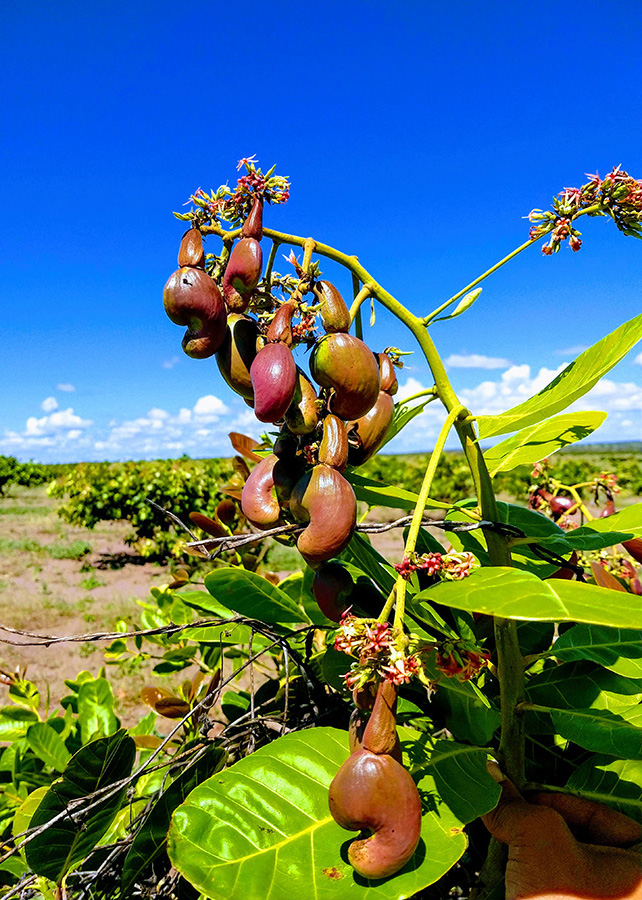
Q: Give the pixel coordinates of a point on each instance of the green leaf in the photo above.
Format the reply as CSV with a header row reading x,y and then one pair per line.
x,y
334,665
573,382
68,841
262,829
514,594
235,704
616,649
370,562
582,684
25,693
602,730
538,441
151,839
377,493
628,522
15,721
462,779
618,783
465,303
48,746
96,709
253,596
24,813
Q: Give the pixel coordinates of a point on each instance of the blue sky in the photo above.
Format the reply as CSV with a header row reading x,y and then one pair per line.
x,y
416,136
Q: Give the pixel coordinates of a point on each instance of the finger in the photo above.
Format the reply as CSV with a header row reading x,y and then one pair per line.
x,y
516,821
598,823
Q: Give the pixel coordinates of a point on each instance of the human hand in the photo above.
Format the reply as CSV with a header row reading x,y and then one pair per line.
x,y
562,847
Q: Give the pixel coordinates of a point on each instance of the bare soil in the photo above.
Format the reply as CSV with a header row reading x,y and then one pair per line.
x,y
73,596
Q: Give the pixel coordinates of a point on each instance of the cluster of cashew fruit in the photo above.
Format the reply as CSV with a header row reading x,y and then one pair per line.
x,y
373,791
340,421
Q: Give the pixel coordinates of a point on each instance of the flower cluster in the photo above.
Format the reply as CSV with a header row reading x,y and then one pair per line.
x,y
379,655
618,195
608,480
430,563
461,659
451,566
233,206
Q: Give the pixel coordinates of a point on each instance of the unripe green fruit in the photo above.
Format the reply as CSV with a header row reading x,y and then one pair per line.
x,y
191,252
302,416
373,791
332,587
333,450
387,374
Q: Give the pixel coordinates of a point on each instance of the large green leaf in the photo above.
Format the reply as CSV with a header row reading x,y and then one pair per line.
x,y
68,841
615,648
253,596
617,733
460,775
573,382
263,829
627,521
617,783
151,839
377,493
538,441
582,684
514,594
48,746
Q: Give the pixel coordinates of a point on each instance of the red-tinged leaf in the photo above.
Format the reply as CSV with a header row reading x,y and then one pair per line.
x,y
245,445
605,579
209,526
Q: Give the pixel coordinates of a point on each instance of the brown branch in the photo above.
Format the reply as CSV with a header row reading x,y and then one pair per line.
x,y
231,542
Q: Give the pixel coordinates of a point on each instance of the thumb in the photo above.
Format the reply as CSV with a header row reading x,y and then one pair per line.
x,y
515,821
506,819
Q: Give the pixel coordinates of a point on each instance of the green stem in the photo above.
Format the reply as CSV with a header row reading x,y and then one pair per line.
x,y
270,264
418,514
358,325
362,296
502,262
426,392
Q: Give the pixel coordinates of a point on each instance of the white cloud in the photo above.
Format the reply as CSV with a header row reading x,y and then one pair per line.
x,y
476,361
62,420
66,388
170,363
208,408
201,429
638,359
49,404
62,433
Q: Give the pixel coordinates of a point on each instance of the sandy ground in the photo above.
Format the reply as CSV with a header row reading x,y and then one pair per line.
x,y
53,596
